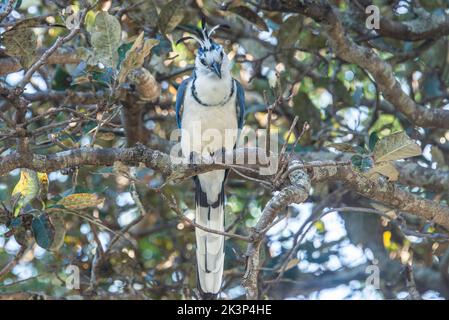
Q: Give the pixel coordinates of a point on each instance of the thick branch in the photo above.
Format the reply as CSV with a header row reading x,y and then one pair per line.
x,y
366,58
297,192
380,190
8,8
69,96
425,26
385,192
61,56
410,173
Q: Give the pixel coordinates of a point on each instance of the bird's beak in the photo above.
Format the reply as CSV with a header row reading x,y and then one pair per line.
x,y
216,67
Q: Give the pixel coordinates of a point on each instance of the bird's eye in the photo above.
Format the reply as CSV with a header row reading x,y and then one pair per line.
x,y
203,61
221,54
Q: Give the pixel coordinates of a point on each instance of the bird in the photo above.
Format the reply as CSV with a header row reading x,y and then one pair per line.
x,y
209,104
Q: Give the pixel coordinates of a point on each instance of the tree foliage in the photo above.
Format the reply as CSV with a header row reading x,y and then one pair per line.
x,y
87,91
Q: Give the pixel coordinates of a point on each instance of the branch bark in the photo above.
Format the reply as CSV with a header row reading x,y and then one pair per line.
x,y
426,26
297,192
385,192
61,56
366,58
8,9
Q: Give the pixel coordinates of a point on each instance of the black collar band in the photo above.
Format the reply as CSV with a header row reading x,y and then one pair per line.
x,y
195,94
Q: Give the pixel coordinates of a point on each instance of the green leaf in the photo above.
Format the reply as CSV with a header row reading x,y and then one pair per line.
x,y
21,43
250,15
362,163
43,231
171,15
135,56
289,31
80,74
356,161
373,139
438,156
163,47
122,50
106,36
103,76
85,73
78,201
431,86
395,147
16,222
367,163
146,14
61,80
385,124
60,231
303,106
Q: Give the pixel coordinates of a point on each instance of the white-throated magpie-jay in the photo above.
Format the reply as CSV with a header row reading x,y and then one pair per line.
x,y
210,106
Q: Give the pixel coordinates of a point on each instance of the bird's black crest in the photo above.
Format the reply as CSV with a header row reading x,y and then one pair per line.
x,y
202,36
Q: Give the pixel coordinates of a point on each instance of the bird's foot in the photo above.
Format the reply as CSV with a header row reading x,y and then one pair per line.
x,y
208,158
195,158
220,156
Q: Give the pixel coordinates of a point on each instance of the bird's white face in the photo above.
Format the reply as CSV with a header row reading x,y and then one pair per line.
x,y
212,61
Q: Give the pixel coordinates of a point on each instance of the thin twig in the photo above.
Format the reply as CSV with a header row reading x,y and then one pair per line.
x,y
8,10
10,265
172,204
43,59
410,283
283,162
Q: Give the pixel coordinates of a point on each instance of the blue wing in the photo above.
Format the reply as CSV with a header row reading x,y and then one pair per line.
x,y
240,105
180,101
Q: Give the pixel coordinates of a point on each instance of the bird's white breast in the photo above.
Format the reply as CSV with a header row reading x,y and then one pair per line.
x,y
207,129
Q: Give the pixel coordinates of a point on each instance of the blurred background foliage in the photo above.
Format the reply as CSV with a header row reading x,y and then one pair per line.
x,y
271,51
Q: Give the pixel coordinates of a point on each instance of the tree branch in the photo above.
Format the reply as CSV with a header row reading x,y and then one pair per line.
x,y
366,58
60,56
297,192
385,192
46,55
8,9
425,26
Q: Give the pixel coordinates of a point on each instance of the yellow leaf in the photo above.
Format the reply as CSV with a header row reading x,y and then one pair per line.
x,y
292,138
388,243
43,183
387,239
26,189
81,201
386,169
291,264
319,225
